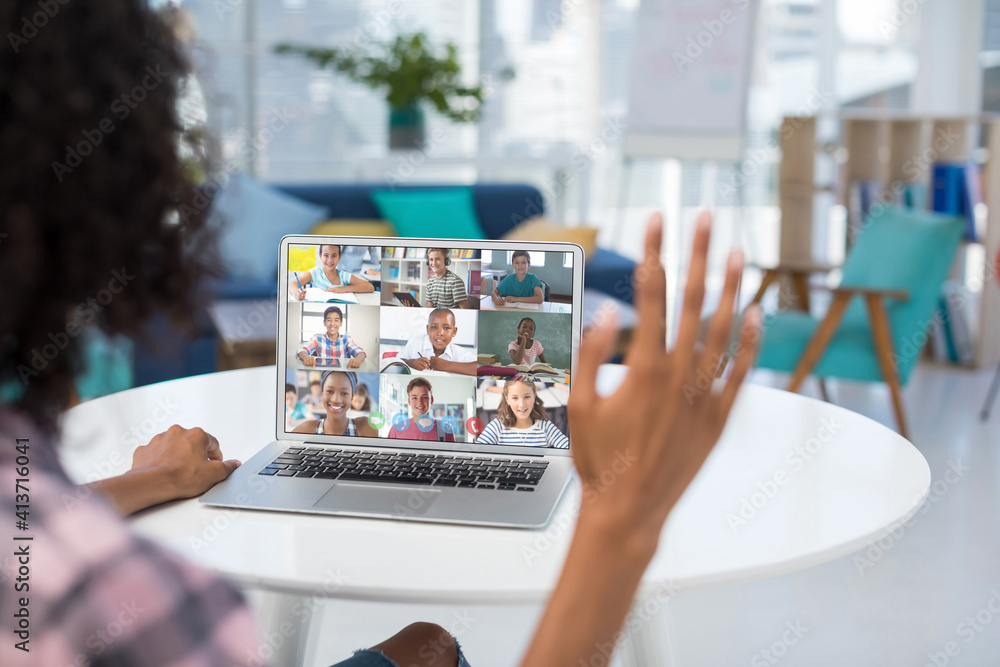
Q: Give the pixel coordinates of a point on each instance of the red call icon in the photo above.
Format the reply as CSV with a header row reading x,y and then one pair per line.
x,y
474,425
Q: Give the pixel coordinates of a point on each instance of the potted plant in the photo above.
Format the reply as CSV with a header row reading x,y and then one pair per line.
x,y
409,72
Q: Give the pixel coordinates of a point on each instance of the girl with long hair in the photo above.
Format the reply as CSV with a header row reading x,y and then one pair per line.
x,y
521,419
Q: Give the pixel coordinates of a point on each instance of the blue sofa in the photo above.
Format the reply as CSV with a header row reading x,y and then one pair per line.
x,y
166,354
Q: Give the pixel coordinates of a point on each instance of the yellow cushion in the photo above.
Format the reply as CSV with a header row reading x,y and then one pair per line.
x,y
540,229
349,227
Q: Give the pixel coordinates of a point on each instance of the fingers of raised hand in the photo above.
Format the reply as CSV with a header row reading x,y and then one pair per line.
x,y
650,285
745,353
694,292
717,350
594,351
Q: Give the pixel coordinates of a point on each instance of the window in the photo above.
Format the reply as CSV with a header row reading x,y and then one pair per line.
x,y
535,257
283,119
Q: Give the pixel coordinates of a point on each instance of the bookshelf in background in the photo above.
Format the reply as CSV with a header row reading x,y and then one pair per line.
x,y
863,173
890,158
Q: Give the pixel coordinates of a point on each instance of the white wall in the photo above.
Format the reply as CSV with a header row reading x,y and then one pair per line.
x,y
398,325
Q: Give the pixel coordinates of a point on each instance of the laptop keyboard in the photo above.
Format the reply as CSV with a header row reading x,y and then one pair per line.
x,y
408,468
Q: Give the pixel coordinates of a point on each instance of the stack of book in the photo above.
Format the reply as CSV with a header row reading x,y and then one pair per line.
x,y
955,190
951,329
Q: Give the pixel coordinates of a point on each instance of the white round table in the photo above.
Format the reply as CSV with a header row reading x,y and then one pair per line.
x,y
793,482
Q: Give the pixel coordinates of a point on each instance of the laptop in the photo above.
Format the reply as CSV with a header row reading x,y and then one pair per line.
x,y
416,413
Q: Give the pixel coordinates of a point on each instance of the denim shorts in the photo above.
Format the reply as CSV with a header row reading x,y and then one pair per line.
x,y
369,657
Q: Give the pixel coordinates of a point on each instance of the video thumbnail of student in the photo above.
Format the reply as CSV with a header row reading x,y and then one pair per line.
x,y
418,407
332,402
522,411
324,335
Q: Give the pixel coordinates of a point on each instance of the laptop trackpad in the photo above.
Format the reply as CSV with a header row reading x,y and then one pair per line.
x,y
393,501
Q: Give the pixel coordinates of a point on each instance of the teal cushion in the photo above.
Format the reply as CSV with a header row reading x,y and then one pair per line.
x,y
108,364
445,214
850,355
253,218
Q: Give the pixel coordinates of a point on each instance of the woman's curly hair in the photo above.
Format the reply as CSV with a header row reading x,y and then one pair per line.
x,y
90,188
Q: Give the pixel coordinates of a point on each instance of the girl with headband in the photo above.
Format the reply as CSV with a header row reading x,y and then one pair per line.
x,y
336,392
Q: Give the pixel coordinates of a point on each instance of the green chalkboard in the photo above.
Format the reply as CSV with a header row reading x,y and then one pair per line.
x,y
498,328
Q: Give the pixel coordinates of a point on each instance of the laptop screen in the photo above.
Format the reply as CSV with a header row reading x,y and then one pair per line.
x,y
428,344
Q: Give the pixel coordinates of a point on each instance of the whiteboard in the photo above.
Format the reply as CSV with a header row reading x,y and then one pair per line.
x,y
688,79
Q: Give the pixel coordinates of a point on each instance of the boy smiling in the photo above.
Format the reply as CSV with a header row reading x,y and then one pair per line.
x,y
420,397
435,350
332,345
519,286
444,289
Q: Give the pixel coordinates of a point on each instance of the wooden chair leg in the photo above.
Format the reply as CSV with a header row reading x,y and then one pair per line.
x,y
819,342
801,283
769,276
882,337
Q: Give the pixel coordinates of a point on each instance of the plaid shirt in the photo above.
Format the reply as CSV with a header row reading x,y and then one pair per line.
x,y
322,347
97,594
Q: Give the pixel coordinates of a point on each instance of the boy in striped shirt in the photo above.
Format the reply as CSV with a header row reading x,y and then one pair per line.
x,y
444,289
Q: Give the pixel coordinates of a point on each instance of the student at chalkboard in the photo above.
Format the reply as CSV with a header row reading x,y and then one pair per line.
x,y
521,419
525,350
519,286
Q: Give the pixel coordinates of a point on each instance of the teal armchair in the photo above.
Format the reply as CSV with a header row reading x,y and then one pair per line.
x,y
878,319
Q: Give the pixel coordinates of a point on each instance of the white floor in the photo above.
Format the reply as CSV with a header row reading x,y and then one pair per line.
x,y
905,601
